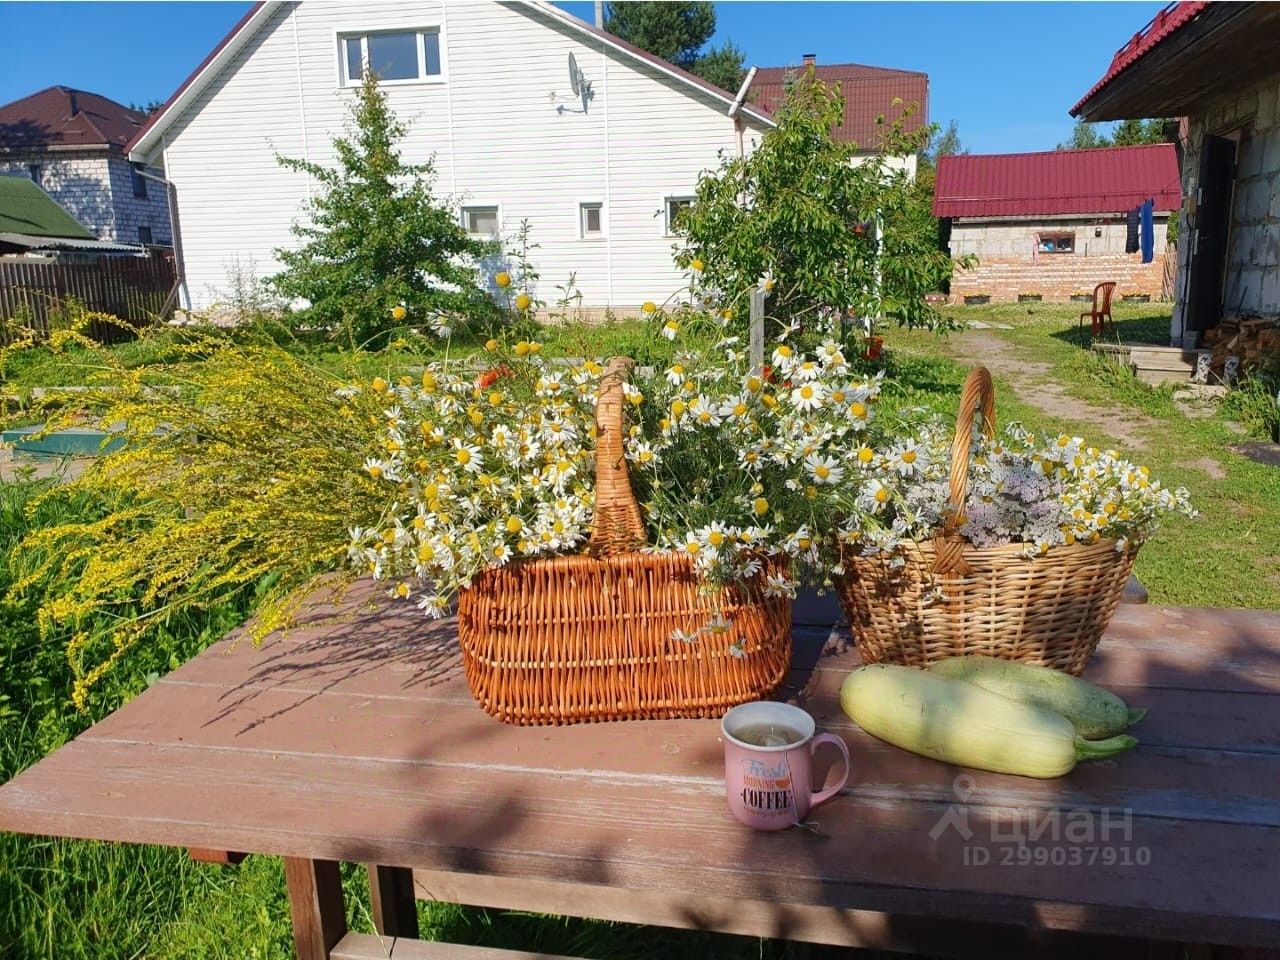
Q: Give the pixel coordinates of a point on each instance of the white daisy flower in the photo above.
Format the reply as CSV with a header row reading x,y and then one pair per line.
x,y
809,396
824,469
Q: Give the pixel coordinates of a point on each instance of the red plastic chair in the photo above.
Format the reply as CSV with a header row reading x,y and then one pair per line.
x,y
1100,313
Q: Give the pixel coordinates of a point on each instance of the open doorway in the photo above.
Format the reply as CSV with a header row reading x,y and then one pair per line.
x,y
1209,217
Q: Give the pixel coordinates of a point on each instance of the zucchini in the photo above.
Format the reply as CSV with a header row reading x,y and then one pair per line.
x,y
1094,712
961,723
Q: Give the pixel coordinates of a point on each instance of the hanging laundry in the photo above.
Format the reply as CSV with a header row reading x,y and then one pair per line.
x,y
1131,237
1148,231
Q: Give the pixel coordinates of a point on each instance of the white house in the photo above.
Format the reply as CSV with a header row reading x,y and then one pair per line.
x,y
485,88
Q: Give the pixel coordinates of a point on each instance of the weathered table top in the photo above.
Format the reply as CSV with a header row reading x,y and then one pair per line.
x,y
354,738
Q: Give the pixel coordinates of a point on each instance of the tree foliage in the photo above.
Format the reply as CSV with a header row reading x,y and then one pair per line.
x,y
678,32
845,241
945,143
1126,133
375,238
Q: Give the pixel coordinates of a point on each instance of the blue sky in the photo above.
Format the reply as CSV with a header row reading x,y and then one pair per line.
x,y
1006,72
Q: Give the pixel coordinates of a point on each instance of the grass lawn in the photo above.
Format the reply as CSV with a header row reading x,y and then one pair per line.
x,y
70,899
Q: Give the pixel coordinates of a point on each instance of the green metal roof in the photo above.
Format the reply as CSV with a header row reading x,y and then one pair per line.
x,y
25,208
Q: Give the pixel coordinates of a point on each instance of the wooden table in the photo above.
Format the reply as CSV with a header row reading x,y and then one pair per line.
x,y
353,738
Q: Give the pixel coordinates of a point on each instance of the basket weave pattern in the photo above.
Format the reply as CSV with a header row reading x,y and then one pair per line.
x,y
582,638
1050,610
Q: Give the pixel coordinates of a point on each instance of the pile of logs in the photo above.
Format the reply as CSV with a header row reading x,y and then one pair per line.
x,y
1254,340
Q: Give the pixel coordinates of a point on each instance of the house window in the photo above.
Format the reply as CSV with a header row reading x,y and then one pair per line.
x,y
480,221
591,220
144,235
139,182
674,207
400,56
34,170
1057,243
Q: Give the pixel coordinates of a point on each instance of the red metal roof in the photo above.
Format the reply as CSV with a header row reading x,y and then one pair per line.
x,y
1168,20
869,93
62,118
1108,180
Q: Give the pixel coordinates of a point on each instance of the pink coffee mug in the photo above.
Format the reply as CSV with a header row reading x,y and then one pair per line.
x,y
771,788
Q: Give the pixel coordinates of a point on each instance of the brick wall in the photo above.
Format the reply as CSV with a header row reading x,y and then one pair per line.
x,y
97,189
1006,265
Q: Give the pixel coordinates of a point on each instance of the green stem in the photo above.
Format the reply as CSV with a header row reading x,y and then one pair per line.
x,y
1136,714
1101,749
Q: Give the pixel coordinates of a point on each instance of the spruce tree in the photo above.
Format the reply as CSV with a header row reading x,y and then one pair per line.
x,y
376,239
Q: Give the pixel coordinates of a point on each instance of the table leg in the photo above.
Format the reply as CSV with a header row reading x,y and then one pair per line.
x,y
319,911
395,909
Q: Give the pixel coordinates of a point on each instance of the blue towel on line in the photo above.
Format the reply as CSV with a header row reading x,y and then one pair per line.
x,y
1148,231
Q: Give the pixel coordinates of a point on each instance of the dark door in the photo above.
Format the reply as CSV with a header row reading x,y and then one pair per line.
x,y
1209,237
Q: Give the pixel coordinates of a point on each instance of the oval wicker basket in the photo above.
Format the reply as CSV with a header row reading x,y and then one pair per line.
x,y
589,637
1050,610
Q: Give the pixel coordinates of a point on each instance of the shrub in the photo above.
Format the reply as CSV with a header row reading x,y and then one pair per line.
x,y
378,250
839,238
240,471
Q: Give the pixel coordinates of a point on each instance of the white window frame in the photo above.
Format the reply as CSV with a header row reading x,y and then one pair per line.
x,y
1044,235
667,230
462,218
363,33
583,234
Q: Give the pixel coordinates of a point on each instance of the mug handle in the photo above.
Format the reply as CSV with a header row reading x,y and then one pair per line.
x,y
839,743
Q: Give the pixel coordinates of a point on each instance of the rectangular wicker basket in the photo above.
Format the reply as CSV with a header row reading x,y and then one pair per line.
x,y
1050,610
590,637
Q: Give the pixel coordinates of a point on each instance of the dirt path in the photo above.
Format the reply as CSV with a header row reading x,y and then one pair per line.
x,y
1030,378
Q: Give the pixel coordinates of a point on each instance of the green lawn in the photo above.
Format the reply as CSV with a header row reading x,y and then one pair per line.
x,y
70,899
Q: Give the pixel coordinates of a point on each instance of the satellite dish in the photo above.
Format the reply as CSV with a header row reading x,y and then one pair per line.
x,y
575,76
580,86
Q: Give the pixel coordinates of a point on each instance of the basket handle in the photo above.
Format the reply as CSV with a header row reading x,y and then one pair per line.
x,y
977,396
617,525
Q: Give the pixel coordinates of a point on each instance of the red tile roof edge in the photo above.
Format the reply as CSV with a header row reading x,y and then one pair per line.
x,y
1167,21
97,104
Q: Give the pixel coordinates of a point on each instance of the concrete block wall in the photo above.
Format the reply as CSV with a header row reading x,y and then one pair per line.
x,y
97,189
1252,118
133,212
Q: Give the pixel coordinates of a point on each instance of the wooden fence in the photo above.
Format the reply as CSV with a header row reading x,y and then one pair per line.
x,y
36,293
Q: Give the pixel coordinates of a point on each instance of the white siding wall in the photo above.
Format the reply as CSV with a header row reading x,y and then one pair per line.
x,y
492,127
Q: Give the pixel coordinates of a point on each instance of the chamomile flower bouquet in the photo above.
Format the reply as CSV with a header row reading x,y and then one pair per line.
x,y
1004,543
482,464
1025,489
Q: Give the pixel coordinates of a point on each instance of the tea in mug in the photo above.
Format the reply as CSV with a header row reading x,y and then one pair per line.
x,y
767,735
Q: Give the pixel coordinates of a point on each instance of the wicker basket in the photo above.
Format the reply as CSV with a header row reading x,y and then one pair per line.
x,y
589,637
1050,610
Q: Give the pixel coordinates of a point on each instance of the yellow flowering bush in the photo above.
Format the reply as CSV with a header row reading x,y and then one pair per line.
x,y
239,469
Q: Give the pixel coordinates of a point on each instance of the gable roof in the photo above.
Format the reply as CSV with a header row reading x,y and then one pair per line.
x,y
869,93
146,139
1108,180
28,210
60,118
1166,22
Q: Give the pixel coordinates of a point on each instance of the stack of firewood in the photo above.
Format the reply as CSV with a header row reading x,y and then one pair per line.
x,y
1255,340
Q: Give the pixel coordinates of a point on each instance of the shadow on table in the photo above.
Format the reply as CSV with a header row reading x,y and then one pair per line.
x,y
339,643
